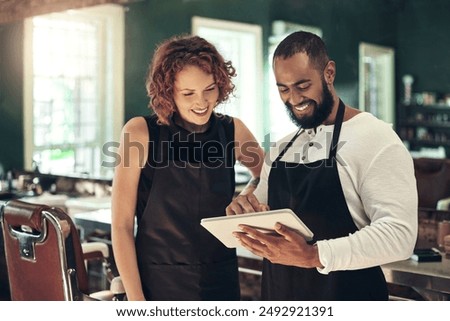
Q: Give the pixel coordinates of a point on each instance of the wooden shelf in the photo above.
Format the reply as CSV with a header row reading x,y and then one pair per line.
x,y
427,143
435,119
431,108
431,124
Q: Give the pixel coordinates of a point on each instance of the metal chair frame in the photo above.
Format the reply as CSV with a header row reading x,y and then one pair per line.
x,y
30,231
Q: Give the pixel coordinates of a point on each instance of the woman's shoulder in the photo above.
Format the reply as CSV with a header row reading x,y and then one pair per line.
x,y
239,125
137,128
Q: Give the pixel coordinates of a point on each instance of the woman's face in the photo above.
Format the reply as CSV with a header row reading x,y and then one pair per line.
x,y
195,95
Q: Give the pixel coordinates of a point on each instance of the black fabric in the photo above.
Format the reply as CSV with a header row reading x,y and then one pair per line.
x,y
314,192
192,178
155,144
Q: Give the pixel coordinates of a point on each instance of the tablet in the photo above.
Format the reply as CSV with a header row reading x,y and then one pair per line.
x,y
222,227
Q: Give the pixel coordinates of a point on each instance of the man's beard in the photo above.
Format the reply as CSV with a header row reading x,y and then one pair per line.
x,y
320,111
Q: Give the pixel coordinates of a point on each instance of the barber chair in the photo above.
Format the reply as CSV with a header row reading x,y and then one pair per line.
x,y
45,257
433,182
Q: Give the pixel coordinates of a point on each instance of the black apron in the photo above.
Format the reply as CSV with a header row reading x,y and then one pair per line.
x,y
314,192
194,178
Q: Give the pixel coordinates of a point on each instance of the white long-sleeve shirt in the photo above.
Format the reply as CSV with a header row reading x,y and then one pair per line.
x,y
378,182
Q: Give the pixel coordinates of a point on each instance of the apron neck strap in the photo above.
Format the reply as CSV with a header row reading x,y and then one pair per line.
x,y
337,129
289,144
336,132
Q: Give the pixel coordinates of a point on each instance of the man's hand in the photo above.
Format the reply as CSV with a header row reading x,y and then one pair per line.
x,y
247,203
286,247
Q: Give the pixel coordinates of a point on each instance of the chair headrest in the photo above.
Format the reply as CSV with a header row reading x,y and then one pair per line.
x,y
18,213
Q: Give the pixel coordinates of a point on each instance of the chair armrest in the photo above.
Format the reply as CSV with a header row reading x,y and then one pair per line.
x,y
105,295
117,286
95,250
443,204
116,292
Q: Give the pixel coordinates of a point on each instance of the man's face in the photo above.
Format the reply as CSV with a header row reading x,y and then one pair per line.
x,y
303,90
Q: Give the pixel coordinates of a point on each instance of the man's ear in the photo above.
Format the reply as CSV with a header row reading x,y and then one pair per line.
x,y
330,72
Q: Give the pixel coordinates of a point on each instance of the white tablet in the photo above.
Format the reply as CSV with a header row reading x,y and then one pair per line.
x,y
222,227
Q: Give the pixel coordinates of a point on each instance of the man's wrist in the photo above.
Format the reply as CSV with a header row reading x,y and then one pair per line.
x,y
316,257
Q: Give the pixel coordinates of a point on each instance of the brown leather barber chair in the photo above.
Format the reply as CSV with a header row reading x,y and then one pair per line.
x,y
433,181
44,255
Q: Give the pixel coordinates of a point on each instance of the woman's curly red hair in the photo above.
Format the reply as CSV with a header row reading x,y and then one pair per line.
x,y
170,57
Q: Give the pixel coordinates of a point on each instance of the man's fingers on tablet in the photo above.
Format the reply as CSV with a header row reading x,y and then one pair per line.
x,y
247,240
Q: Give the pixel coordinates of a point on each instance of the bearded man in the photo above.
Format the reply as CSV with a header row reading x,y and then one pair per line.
x,y
345,173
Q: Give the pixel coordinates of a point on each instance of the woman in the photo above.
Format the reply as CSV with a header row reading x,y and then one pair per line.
x,y
177,167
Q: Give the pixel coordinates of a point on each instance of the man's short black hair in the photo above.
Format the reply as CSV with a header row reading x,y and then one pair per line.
x,y
307,42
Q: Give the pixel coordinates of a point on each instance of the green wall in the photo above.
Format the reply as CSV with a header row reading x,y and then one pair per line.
x,y
11,89
416,29
423,45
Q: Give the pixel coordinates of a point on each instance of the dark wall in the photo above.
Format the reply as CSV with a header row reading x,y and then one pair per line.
x,y
423,45
416,29
11,96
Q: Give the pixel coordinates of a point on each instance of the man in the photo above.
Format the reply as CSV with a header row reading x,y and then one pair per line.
x,y
345,173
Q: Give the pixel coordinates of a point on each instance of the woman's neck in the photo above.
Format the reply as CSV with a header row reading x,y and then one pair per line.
x,y
190,127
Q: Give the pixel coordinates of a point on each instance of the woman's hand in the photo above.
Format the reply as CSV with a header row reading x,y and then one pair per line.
x,y
245,203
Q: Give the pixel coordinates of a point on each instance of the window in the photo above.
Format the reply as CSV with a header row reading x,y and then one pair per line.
x,y
376,81
242,44
73,89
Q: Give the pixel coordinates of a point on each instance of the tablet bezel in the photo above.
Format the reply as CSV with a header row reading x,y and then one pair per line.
x,y
222,227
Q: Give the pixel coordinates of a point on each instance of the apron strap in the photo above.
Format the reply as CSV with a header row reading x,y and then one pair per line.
x,y
288,145
337,130
336,133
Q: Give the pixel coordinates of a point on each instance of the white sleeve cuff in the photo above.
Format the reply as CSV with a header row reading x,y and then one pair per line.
x,y
333,254
324,257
